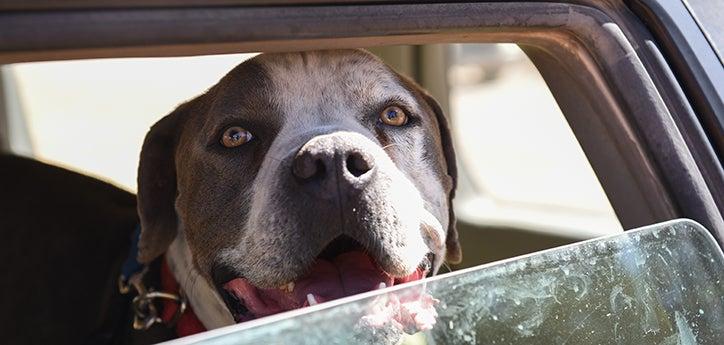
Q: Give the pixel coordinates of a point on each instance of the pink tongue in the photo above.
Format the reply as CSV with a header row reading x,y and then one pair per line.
x,y
348,274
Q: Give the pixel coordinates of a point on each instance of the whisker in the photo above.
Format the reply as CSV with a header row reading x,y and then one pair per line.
x,y
390,145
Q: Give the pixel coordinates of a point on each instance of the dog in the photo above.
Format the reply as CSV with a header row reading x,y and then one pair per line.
x,y
297,179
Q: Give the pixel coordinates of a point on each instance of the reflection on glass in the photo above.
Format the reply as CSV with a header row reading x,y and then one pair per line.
x,y
661,284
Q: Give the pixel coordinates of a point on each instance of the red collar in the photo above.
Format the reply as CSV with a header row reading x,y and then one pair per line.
x,y
187,323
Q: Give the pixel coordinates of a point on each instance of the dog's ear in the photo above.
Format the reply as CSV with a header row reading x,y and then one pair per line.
x,y
157,186
453,252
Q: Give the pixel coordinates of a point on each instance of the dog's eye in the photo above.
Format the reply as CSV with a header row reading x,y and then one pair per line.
x,y
393,116
235,136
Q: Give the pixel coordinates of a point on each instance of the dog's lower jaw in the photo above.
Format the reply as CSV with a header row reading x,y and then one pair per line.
x,y
206,299
203,298
348,273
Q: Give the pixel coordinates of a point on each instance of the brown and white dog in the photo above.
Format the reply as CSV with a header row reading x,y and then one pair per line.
x,y
298,178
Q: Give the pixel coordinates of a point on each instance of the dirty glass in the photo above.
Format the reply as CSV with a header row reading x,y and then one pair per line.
x,y
661,284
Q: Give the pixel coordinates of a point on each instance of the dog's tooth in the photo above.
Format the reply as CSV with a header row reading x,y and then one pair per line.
x,y
312,301
382,285
287,287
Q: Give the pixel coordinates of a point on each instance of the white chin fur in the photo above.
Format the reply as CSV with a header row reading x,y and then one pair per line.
x,y
203,298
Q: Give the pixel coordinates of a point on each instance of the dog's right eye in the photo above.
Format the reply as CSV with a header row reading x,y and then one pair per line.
x,y
393,116
235,136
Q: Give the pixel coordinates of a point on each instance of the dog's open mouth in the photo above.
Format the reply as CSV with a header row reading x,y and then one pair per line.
x,y
342,269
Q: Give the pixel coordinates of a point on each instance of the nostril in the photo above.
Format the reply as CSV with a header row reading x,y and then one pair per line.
x,y
306,167
357,164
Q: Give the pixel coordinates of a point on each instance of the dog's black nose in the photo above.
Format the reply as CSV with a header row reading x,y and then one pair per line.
x,y
329,162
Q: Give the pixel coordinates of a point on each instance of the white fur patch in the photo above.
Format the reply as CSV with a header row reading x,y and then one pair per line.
x,y
203,298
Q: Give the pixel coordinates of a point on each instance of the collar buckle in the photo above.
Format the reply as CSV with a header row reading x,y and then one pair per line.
x,y
145,312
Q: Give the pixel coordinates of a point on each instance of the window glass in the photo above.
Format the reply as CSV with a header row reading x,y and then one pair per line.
x,y
657,285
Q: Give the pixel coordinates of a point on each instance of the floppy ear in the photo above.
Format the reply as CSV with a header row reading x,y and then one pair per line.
x,y
453,252
157,187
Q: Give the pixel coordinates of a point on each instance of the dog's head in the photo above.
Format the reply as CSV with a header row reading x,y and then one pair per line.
x,y
301,178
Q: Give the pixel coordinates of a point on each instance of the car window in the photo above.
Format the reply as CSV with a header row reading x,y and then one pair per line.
x,y
523,176
662,284
515,176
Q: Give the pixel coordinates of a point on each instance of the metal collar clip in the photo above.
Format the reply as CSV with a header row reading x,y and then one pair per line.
x,y
146,314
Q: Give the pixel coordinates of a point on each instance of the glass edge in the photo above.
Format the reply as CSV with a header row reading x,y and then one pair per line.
x,y
699,230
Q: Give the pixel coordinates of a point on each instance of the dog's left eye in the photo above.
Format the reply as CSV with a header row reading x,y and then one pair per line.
x,y
393,116
235,136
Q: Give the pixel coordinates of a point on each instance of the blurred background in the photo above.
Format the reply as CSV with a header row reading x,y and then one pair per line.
x,y
525,183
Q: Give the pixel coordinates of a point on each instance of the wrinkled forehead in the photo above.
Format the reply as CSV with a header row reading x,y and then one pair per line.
x,y
326,85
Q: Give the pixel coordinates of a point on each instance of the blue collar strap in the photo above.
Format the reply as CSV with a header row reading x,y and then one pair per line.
x,y
131,266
